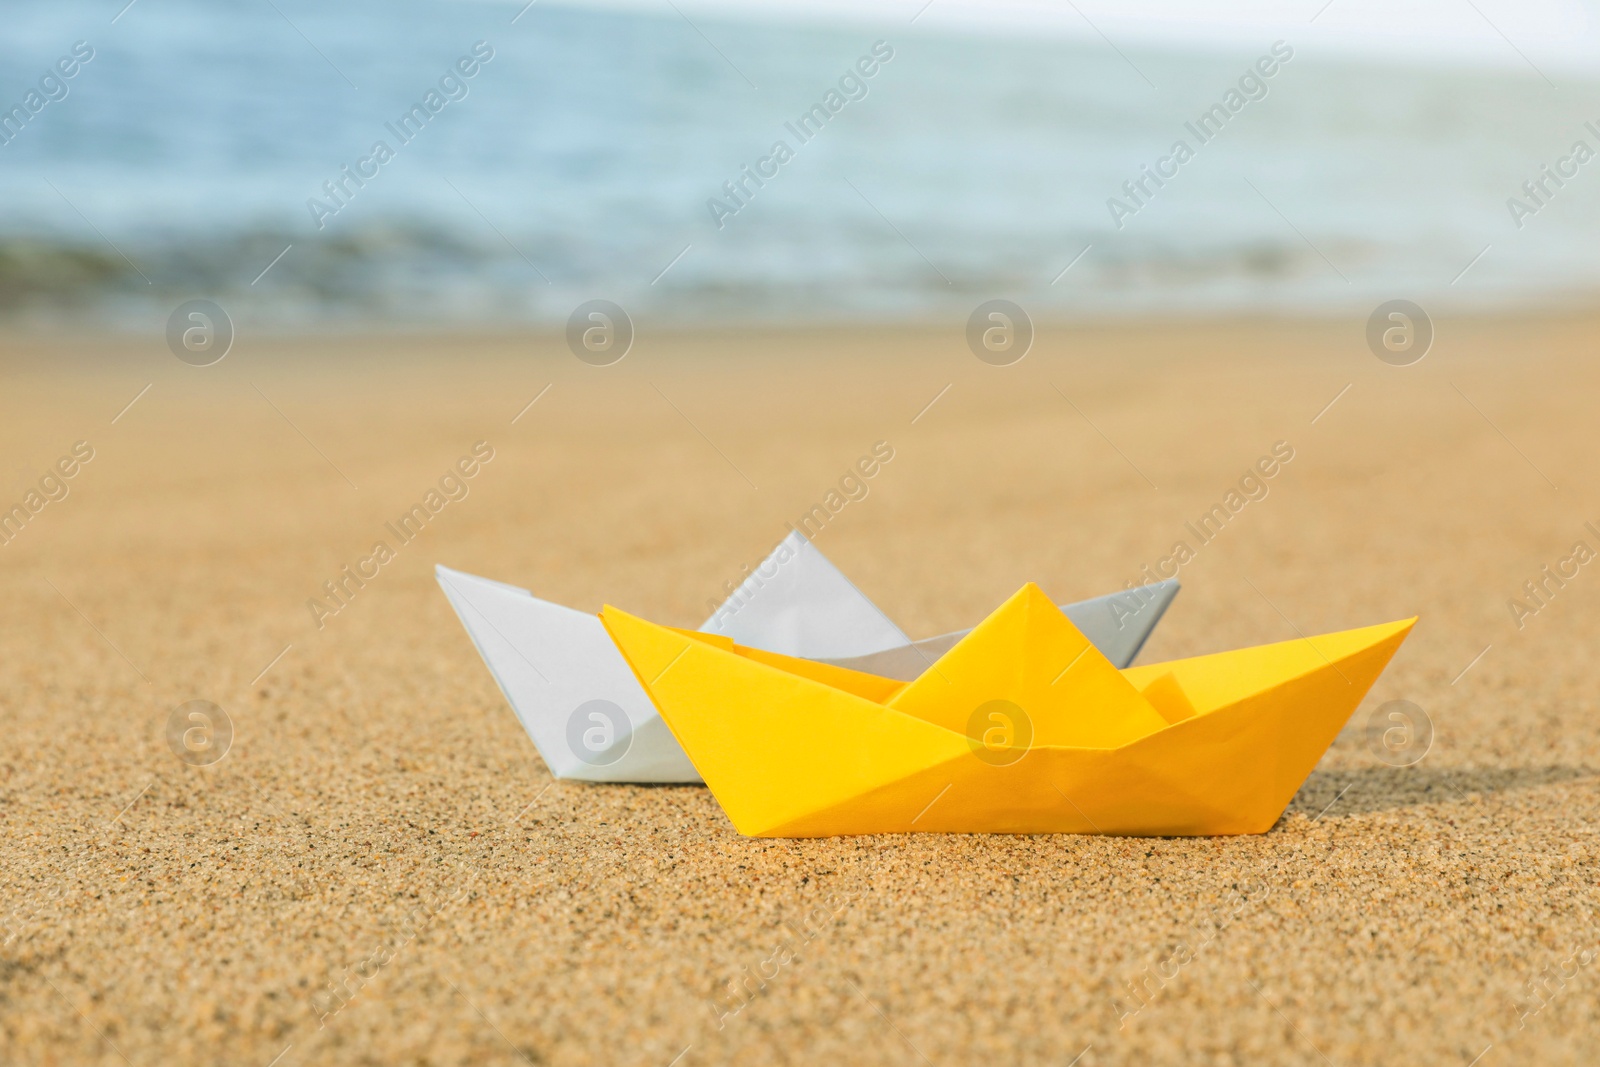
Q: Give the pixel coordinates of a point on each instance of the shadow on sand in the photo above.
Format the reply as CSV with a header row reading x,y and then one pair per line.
x,y
1375,789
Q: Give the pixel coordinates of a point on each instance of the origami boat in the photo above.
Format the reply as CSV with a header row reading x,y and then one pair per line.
x,y
1022,727
591,720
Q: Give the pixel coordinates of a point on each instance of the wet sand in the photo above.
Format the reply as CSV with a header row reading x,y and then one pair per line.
x,y
380,870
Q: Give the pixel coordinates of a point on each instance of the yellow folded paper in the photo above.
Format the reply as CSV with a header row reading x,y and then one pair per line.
x,y
1022,727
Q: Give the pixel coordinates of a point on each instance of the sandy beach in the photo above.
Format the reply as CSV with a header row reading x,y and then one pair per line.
x,y
380,870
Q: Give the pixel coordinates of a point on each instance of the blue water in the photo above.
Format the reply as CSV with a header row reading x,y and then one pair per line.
x,y
580,160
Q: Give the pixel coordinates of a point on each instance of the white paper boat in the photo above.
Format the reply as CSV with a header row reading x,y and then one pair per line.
x,y
592,721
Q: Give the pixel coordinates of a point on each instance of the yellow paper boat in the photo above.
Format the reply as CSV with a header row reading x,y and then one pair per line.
x,y
1022,727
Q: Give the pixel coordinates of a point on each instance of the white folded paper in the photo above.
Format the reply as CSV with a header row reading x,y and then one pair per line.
x,y
589,716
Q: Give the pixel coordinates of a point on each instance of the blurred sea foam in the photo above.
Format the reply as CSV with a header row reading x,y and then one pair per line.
x,y
580,161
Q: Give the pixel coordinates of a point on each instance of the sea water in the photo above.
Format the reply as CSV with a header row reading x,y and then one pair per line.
x,y
229,150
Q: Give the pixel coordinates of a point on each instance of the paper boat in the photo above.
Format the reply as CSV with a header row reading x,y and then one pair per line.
x,y
591,720
1022,727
